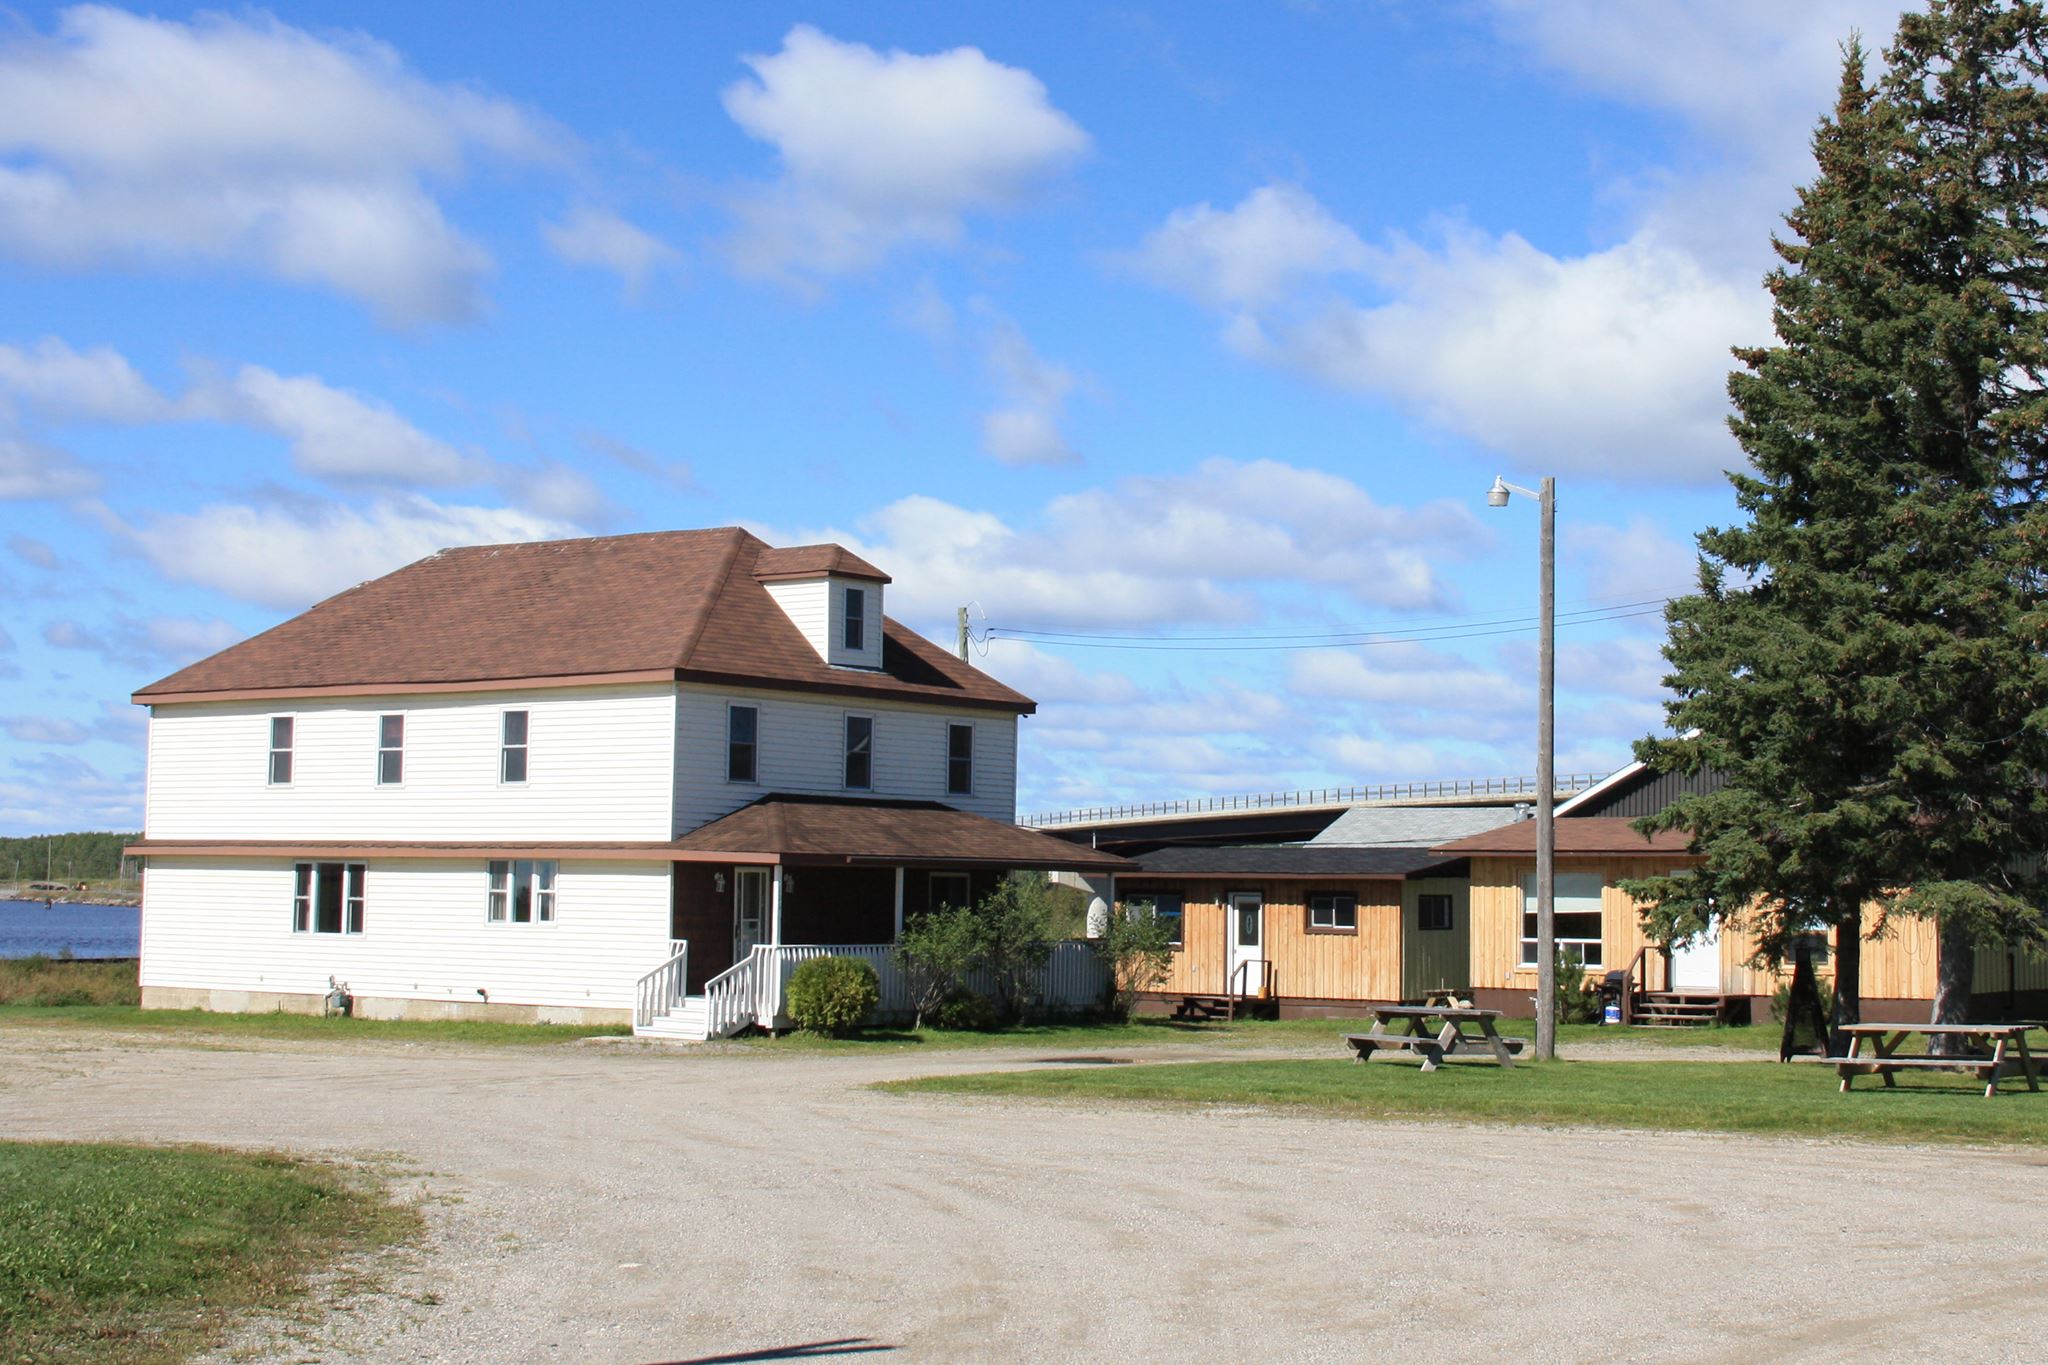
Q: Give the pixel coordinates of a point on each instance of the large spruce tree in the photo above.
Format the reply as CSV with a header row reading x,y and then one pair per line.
x,y
1863,661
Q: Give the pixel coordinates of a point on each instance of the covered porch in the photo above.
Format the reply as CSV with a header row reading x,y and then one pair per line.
x,y
790,878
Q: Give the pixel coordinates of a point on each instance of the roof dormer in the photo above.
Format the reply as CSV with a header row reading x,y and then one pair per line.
x,y
833,596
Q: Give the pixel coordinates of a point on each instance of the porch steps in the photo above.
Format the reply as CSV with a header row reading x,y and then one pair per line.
x,y
687,1022
1202,1009
1678,1009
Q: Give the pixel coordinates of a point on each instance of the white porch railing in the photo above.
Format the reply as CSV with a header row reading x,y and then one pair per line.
x,y
662,989
1073,978
739,995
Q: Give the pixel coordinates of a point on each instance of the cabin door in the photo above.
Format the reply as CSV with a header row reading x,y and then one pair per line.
x,y
1246,931
1696,966
749,911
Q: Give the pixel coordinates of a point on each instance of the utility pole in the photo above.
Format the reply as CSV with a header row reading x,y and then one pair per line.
x,y
960,619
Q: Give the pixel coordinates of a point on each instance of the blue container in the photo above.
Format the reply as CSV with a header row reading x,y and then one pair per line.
x,y
1612,1013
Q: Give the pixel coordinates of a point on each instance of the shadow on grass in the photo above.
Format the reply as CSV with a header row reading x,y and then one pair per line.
x,y
810,1350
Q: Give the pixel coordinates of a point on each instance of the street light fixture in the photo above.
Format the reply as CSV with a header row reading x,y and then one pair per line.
x,y
1546,760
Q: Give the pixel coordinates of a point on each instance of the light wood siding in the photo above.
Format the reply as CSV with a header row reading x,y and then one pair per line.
x,y
801,749
1899,965
1322,966
225,925
597,768
1437,959
817,606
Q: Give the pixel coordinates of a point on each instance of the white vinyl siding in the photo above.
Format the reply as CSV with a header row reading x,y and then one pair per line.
x,y
225,925
817,607
606,775
800,747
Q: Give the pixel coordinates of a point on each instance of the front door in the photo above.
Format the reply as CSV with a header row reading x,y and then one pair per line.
x,y
1246,931
1696,965
749,911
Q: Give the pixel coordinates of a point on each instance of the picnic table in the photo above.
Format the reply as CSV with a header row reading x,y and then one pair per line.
x,y
2003,1053
1435,1032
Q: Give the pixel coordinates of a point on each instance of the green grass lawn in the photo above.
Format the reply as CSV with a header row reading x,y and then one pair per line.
x,y
308,1027
1735,1097
146,1255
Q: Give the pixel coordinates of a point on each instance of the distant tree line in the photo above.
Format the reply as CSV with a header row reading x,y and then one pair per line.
x,y
88,856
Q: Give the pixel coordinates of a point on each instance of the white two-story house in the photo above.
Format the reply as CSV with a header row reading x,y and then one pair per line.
x,y
626,777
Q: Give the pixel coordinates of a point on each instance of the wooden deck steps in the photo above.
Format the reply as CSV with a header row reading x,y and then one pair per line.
x,y
1678,1009
1202,1009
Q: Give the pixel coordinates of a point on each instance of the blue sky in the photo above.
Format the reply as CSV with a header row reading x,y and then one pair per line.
x,y
1153,322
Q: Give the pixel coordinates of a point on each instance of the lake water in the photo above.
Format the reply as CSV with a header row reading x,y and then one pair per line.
x,y
30,927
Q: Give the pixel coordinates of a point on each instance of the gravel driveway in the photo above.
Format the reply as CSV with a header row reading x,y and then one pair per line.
x,y
618,1204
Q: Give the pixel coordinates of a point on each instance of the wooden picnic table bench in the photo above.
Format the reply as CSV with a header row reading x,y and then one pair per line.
x,y
1408,1028
2007,1053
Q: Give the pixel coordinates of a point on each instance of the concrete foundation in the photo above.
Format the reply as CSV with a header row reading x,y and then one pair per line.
x,y
373,1006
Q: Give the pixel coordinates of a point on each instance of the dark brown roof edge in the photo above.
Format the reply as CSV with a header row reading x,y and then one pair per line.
x,y
853,687
315,848
145,696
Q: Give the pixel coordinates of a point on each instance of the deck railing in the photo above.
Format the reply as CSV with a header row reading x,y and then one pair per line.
x,y
662,989
1314,796
1073,978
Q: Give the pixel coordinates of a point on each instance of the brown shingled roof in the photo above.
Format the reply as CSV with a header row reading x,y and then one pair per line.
x,y
1576,834
828,829
666,604
812,561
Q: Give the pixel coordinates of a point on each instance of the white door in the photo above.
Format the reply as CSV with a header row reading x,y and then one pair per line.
x,y
1247,934
749,911
1696,965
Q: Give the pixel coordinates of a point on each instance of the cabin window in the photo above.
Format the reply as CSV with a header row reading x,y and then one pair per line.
x,y
1164,906
1817,948
327,898
1433,911
856,627
860,751
1333,914
281,751
390,750
522,891
742,725
1577,912
512,749
960,760
949,889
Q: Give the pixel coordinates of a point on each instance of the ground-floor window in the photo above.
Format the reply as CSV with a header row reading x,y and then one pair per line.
x,y
1333,914
949,888
1165,906
522,891
327,898
1577,917
1433,911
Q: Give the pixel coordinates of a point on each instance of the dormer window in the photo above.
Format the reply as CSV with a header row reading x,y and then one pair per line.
x,y
856,631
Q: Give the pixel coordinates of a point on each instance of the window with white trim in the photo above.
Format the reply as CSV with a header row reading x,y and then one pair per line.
x,y
1433,912
959,760
390,750
1165,906
327,898
522,891
1576,917
1333,913
281,731
854,631
742,731
512,747
860,752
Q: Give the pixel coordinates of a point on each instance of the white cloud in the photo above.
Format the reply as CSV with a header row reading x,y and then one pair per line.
x,y
128,642
1025,429
592,236
149,143
1633,562
675,472
558,493
290,558
334,434
44,730
31,472
62,791
98,385
1275,240
879,149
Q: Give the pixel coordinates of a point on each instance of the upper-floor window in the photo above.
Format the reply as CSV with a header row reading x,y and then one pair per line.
x,y
512,750
1333,914
960,760
742,726
390,749
522,891
860,751
856,629
327,898
281,751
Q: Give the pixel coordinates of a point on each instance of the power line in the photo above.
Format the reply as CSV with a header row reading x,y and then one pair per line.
x,y
1227,644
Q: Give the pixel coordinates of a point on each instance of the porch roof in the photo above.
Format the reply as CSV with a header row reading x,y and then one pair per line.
x,y
1603,834
823,829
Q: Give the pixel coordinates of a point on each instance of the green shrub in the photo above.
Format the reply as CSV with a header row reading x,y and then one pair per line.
x,y
938,949
833,995
967,1012
1578,999
1137,947
1781,999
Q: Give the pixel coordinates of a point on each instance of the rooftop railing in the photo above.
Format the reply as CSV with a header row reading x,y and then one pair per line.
x,y
1447,788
